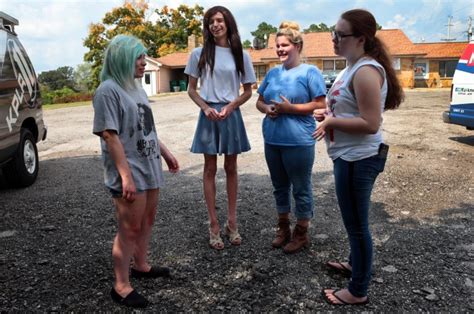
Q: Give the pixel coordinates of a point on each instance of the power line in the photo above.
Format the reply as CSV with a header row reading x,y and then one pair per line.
x,y
449,30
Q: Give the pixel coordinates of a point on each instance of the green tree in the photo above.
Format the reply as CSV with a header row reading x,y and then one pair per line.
x,y
127,19
262,33
57,79
317,28
83,78
171,30
247,44
321,27
174,26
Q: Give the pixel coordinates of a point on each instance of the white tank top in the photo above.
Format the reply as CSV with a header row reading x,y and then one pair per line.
x,y
341,102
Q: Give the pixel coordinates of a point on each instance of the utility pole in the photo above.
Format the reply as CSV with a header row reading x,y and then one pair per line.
x,y
449,30
469,29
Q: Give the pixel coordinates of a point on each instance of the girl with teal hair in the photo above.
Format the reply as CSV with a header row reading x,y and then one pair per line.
x,y
131,152
119,61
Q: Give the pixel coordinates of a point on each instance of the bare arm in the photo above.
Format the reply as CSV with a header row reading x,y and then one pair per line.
x,y
210,113
269,110
171,161
227,110
303,109
367,82
118,156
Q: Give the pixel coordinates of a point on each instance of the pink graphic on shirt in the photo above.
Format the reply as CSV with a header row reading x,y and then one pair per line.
x,y
332,103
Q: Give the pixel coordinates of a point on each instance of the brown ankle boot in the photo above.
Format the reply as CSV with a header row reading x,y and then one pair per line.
x,y
283,234
299,240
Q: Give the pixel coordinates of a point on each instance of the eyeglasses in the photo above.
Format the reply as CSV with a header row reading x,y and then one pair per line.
x,y
338,36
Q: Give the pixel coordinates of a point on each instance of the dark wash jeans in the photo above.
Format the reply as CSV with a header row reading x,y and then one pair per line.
x,y
354,182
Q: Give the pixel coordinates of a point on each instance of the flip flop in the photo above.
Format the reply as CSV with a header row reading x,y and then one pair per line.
x,y
339,268
341,300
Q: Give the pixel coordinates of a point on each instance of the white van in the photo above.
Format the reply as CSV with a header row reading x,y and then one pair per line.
x,y
461,111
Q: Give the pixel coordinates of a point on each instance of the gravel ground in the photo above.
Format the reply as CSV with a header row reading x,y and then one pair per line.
x,y
56,236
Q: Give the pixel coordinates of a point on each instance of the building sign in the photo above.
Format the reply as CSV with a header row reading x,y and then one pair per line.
x,y
421,70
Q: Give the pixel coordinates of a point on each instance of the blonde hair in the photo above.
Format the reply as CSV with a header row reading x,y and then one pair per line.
x,y
291,30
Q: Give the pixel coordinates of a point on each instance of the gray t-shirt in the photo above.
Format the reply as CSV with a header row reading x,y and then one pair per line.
x,y
223,86
129,114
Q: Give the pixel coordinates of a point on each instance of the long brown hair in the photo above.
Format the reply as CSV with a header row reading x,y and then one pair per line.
x,y
209,48
364,25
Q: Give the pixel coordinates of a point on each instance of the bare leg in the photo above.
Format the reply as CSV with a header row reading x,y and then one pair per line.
x,y
209,182
129,217
141,250
230,167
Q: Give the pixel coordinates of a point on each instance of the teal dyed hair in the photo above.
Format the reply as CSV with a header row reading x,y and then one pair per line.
x,y
119,61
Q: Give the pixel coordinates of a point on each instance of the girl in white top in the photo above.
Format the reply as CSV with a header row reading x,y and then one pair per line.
x,y
351,125
221,65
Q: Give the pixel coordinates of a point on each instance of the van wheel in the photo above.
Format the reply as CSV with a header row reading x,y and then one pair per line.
x,y
23,169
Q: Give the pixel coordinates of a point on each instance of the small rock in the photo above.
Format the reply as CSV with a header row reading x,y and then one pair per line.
x,y
322,236
390,269
378,280
48,228
42,262
7,234
417,291
468,282
38,216
405,212
432,297
428,290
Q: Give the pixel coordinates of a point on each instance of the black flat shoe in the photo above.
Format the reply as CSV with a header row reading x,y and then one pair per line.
x,y
155,272
133,299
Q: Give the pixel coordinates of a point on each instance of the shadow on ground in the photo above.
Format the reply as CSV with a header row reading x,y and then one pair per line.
x,y
468,140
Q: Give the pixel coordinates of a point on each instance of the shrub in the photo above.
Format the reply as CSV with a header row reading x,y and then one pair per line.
x,y
63,95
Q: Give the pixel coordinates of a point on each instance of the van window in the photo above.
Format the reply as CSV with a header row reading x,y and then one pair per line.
x,y
447,68
7,67
3,43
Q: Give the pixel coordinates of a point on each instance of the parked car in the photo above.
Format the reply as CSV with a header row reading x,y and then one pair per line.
x,y
21,115
329,78
461,110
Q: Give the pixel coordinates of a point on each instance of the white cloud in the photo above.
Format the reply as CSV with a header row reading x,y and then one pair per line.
x,y
400,21
53,31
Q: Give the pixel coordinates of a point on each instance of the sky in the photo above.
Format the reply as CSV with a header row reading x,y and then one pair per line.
x,y
53,31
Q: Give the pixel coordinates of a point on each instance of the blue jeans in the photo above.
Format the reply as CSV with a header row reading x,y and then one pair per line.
x,y
354,183
291,166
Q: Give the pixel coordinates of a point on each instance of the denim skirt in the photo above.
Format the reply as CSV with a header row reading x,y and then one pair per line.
x,y
226,137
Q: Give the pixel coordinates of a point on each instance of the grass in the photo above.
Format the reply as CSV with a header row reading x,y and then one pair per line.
x,y
89,102
67,105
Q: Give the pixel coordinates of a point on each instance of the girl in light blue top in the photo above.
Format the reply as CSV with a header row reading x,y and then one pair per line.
x,y
288,95
221,66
